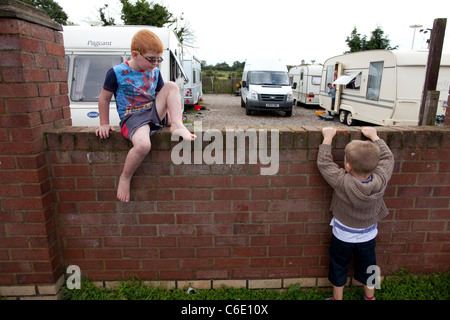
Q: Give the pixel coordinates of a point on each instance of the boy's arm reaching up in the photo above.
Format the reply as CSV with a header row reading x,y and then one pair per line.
x,y
386,163
330,171
328,135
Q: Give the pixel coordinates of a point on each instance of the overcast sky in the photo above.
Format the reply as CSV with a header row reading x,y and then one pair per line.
x,y
290,30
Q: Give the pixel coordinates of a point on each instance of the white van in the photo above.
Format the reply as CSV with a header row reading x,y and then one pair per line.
x,y
305,81
266,86
192,89
382,87
91,51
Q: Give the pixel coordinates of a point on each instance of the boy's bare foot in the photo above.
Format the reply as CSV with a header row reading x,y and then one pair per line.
x,y
123,190
180,130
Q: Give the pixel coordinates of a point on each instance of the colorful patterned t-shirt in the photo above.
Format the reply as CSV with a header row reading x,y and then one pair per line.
x,y
134,90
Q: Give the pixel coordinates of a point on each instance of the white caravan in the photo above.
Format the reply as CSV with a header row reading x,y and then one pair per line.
x,y
193,89
382,87
305,80
91,51
266,86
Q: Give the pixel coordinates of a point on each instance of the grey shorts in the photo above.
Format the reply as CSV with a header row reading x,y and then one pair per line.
x,y
130,123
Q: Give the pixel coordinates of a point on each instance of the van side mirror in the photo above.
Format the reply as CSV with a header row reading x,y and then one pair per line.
x,y
294,86
244,84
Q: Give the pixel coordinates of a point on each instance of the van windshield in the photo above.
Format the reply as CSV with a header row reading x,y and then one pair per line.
x,y
269,78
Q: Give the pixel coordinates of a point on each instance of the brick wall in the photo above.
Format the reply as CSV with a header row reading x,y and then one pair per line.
x,y
211,222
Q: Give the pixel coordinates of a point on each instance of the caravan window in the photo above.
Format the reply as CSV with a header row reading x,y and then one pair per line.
x,y
316,81
67,64
330,74
89,75
374,83
355,83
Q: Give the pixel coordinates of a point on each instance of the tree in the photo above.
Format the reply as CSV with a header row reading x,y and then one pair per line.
x,y
106,22
376,41
144,13
53,9
354,42
154,14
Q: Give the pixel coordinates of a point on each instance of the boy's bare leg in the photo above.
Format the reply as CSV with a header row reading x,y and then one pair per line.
x,y
141,147
369,292
169,100
338,293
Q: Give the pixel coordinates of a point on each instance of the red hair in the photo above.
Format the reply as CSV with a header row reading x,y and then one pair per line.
x,y
145,40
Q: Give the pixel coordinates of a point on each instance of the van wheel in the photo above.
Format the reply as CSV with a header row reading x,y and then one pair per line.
x,y
242,103
343,116
350,121
288,113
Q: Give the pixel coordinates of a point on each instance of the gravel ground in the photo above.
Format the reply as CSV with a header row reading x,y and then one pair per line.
x,y
224,110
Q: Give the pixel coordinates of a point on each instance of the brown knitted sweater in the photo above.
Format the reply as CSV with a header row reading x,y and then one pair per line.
x,y
356,204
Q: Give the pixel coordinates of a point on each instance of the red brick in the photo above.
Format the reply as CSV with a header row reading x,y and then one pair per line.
x,y
26,229
231,194
138,230
54,49
192,194
267,193
30,254
427,226
121,264
432,202
140,253
434,179
16,59
25,75
121,241
195,241
71,171
414,191
419,167
177,252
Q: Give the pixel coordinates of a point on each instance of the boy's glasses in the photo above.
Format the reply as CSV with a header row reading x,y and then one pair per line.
x,y
152,60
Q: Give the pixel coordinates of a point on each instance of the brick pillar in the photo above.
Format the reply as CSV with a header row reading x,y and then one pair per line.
x,y
33,99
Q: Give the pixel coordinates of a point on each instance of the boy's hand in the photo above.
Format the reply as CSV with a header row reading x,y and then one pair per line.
x,y
328,135
370,132
103,131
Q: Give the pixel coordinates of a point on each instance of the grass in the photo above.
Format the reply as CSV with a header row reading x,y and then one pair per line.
x,y
401,286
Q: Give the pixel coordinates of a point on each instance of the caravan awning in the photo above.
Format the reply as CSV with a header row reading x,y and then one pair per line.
x,y
345,79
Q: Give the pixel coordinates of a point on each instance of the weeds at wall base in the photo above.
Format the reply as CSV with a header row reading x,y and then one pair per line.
x,y
400,286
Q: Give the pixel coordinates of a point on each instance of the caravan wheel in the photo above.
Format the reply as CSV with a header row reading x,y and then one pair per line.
x,y
343,116
350,121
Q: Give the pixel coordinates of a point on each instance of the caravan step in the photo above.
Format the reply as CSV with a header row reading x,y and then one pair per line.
x,y
326,117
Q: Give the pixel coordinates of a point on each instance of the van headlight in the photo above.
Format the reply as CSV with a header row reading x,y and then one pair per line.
x,y
289,96
254,95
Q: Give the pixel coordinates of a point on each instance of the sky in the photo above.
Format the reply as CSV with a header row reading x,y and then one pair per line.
x,y
289,30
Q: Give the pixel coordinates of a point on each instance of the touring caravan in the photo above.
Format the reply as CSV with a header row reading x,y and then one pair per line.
x,y
91,51
193,89
382,87
305,80
266,86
